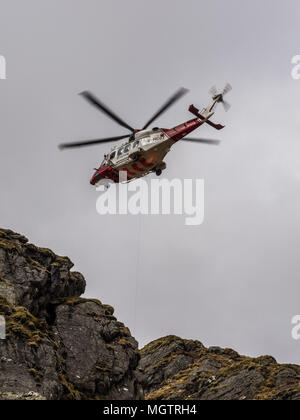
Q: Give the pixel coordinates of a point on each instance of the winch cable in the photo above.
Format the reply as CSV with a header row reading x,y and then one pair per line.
x,y
139,229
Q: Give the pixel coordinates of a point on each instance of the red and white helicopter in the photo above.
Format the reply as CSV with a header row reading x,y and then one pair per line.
x,y
145,149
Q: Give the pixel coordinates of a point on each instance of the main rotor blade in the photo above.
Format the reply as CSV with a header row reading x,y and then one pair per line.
x,y
95,102
170,101
90,142
206,141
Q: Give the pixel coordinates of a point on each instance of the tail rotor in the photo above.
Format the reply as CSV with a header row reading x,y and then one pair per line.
x,y
213,91
226,105
219,97
227,89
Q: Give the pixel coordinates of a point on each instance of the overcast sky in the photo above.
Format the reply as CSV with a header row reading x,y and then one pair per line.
x,y
234,280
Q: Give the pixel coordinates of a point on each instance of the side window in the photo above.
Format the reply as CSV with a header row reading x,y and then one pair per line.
x,y
120,151
146,140
127,148
135,144
112,155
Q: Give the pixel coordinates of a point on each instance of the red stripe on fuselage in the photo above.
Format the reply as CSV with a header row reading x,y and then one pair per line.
x,y
136,168
128,171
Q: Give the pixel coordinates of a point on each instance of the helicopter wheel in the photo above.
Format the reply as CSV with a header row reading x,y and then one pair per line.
x,y
158,172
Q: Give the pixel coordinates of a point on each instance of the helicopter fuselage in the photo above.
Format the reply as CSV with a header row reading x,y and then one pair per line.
x,y
143,153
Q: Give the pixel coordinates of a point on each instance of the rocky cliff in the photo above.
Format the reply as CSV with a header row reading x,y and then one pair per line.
x,y
173,368
58,345
61,346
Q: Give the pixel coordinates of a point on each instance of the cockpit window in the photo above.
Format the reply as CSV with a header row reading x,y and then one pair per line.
x,y
135,144
103,164
112,155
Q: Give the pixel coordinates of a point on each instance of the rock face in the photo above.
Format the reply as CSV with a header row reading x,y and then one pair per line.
x,y
58,345
61,346
33,277
173,368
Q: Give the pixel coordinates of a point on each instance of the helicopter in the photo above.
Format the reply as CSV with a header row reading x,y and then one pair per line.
x,y
145,149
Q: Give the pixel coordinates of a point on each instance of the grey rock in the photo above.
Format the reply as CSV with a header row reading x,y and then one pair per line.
x,y
172,368
36,275
61,346
99,353
28,360
164,358
58,345
243,385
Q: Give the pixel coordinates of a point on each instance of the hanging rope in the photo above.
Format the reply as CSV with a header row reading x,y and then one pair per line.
x,y
137,273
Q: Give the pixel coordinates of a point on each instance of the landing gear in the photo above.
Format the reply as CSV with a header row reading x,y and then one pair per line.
x,y
159,168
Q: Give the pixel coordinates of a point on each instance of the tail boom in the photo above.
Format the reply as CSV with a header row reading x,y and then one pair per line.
x,y
196,112
182,130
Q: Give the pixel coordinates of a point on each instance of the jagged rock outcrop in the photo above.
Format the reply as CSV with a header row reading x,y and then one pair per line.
x,y
61,346
173,368
32,276
58,345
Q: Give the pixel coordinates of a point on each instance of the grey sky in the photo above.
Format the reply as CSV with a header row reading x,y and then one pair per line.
x,y
233,281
